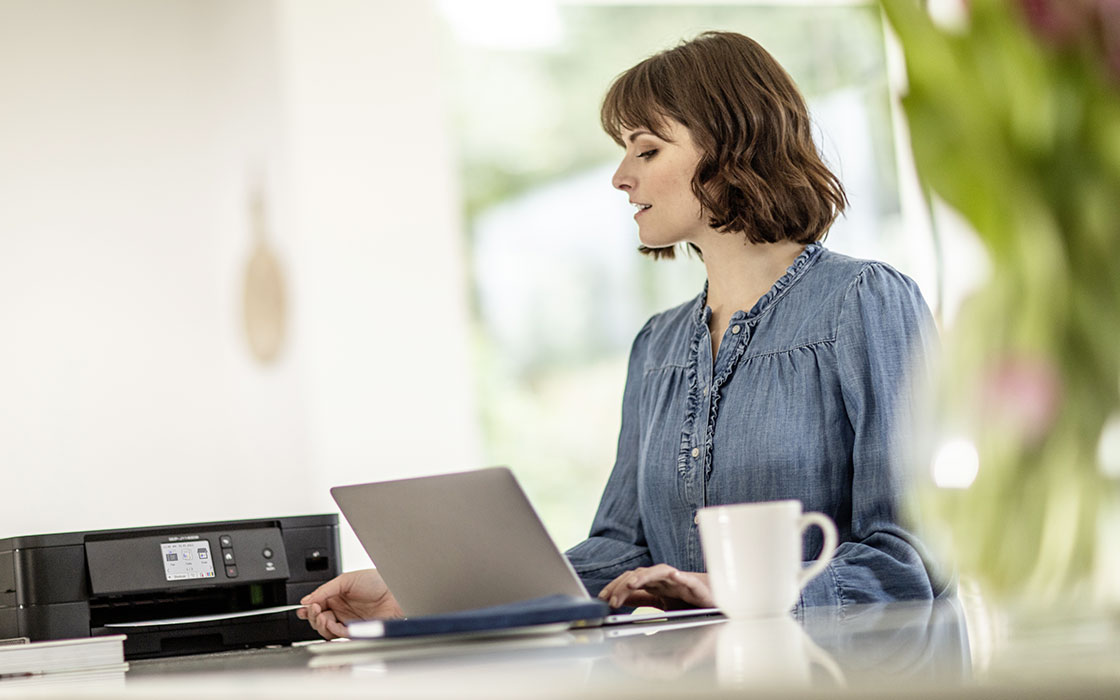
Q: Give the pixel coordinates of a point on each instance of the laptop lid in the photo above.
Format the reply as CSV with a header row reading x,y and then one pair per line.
x,y
456,541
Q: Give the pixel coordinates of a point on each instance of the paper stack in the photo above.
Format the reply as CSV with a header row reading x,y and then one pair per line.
x,y
91,659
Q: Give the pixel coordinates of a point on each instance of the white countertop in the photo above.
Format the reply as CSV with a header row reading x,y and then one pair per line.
x,y
916,650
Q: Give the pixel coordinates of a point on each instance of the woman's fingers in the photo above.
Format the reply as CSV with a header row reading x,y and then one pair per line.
x,y
336,629
637,587
666,593
639,598
686,587
328,625
616,591
320,619
696,585
661,585
605,593
644,577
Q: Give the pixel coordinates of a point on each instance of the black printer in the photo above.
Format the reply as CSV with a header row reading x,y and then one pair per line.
x,y
178,589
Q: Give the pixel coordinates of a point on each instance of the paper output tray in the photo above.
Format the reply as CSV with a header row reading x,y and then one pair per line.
x,y
204,618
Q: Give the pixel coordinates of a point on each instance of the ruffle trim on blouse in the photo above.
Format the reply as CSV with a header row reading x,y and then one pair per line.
x,y
792,273
701,317
692,404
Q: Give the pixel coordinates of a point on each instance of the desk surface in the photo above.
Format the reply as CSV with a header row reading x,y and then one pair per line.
x,y
886,651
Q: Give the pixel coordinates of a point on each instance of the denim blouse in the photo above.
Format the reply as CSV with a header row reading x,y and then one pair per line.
x,y
805,400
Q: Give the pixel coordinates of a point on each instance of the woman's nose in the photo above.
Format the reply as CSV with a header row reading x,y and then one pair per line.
x,y
621,180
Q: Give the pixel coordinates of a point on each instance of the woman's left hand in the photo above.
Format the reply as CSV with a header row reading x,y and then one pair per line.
x,y
660,586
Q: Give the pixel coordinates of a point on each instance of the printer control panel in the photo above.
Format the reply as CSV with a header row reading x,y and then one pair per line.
x,y
185,559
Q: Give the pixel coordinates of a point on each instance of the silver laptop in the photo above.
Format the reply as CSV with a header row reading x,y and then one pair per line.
x,y
460,541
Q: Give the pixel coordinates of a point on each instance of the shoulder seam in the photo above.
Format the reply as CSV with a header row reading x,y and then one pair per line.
x,y
658,368
867,265
823,341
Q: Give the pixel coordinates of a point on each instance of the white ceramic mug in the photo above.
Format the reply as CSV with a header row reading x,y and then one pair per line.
x,y
753,555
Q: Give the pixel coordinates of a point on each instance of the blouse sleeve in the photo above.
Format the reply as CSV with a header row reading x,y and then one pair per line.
x,y
885,334
617,542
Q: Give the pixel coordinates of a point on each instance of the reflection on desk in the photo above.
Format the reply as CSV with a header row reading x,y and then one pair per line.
x,y
863,645
856,651
921,640
105,681
827,647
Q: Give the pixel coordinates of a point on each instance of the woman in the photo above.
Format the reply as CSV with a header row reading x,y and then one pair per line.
x,y
785,378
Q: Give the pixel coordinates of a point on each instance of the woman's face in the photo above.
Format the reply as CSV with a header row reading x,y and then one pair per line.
x,y
657,176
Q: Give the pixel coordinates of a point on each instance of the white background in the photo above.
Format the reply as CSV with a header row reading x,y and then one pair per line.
x,y
130,135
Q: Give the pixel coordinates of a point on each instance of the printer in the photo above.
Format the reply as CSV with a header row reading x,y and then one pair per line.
x,y
177,589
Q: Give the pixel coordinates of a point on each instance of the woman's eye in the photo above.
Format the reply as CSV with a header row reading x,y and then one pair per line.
x,y
648,154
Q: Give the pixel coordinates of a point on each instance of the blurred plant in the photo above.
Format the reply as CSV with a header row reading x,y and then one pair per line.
x,y
1015,122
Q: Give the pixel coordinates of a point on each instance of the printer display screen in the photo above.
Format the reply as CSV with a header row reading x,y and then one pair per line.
x,y
187,560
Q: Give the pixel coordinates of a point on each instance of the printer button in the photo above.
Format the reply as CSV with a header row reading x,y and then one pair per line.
x,y
317,560
231,572
227,556
226,541
267,553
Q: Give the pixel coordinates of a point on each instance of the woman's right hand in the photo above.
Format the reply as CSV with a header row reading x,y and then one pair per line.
x,y
661,586
355,595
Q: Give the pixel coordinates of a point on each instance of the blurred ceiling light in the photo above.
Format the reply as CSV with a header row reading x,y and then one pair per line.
x,y
1108,449
956,464
509,25
949,14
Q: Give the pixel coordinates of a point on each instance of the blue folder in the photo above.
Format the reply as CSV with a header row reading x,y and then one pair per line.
x,y
549,610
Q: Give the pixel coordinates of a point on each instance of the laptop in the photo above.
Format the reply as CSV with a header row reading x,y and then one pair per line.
x,y
461,541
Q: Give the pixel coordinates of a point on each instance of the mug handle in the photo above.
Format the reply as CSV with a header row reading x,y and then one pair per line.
x,y
827,550
823,659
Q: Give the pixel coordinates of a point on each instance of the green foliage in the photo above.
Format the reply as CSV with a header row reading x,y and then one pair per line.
x,y
1022,136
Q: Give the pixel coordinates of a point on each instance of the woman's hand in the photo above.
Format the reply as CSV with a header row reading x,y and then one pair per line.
x,y
660,586
355,595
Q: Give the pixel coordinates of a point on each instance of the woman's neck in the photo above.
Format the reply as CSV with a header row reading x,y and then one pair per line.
x,y
741,272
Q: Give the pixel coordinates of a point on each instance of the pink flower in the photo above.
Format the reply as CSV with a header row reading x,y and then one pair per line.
x,y
1022,394
1109,14
1059,22
1067,23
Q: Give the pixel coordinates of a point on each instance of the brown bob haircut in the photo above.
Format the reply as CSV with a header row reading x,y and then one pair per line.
x,y
760,173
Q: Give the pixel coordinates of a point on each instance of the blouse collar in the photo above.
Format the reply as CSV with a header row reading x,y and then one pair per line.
x,y
702,313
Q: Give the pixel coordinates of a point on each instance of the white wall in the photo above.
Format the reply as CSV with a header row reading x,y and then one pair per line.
x,y
386,304
129,134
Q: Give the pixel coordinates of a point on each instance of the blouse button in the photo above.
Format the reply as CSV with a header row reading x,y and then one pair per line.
x,y
695,452
735,330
